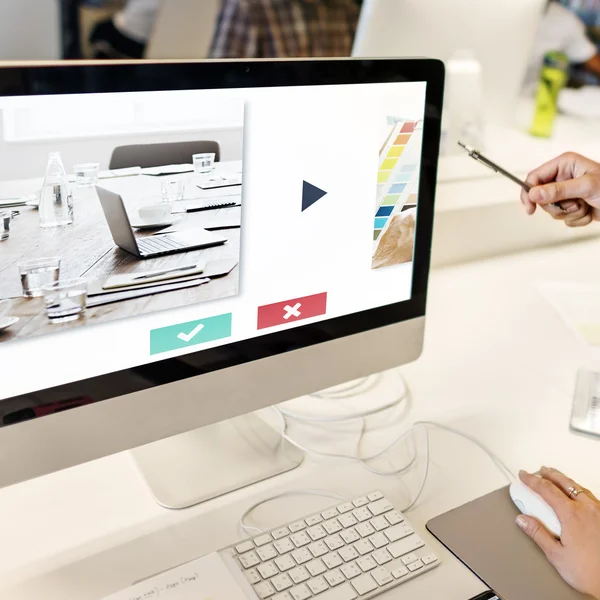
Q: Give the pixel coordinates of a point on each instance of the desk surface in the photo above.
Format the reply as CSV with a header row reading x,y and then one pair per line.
x,y
498,364
87,250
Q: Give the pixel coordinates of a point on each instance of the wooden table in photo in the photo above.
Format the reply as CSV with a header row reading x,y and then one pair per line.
x,y
86,249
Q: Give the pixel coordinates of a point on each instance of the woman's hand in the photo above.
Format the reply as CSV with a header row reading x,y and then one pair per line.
x,y
571,180
576,556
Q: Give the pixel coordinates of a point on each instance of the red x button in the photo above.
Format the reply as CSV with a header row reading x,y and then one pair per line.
x,y
291,311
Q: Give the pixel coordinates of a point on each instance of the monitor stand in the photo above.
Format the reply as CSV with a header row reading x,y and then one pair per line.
x,y
200,465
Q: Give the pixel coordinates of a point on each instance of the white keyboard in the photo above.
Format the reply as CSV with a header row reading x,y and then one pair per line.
x,y
353,550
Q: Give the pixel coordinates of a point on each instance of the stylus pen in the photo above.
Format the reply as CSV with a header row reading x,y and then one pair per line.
x,y
497,169
150,275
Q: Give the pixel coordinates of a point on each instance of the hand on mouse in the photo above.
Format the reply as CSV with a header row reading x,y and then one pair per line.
x,y
571,180
576,556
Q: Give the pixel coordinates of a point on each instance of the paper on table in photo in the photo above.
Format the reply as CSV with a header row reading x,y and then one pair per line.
x,y
140,278
168,170
578,304
205,578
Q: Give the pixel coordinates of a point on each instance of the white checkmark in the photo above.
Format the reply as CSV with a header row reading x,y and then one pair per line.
x,y
188,337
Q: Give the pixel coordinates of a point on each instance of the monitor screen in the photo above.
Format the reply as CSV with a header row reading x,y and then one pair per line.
x,y
144,226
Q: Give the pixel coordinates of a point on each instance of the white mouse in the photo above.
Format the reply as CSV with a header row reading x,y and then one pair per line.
x,y
530,503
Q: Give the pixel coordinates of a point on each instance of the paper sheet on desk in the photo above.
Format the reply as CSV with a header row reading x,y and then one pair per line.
x,y
205,578
578,304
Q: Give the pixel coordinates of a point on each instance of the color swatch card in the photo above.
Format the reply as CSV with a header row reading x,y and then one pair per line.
x,y
398,175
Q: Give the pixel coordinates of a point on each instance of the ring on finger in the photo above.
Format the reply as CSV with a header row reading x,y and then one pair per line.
x,y
574,492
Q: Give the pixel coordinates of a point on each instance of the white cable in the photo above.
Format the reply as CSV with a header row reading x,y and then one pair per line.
x,y
303,492
351,416
362,460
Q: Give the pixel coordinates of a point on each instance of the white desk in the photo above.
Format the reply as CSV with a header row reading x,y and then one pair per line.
x,y
498,364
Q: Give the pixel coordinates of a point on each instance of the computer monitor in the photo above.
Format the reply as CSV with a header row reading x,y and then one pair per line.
x,y
323,278
500,35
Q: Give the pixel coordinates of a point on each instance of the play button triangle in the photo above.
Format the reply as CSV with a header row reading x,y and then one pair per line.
x,y
310,194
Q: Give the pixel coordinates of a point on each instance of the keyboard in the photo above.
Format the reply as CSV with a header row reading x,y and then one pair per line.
x,y
157,244
357,549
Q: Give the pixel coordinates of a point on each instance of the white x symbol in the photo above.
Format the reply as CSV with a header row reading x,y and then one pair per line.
x,y
292,311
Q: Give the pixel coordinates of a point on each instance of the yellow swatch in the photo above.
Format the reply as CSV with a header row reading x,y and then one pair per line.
x,y
383,176
396,151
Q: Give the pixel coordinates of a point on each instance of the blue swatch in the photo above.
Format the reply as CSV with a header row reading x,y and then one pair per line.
x,y
397,188
380,223
408,168
384,211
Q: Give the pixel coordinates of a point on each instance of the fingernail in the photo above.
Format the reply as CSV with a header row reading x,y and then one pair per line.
x,y
521,522
542,194
572,208
523,473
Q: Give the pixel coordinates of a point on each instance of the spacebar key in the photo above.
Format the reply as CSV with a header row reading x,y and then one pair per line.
x,y
342,592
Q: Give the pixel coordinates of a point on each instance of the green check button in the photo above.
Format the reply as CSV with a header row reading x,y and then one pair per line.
x,y
192,333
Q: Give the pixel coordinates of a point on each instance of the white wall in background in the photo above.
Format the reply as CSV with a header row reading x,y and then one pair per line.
x,y
29,29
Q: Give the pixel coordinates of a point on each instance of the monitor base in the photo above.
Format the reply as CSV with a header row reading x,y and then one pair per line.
x,y
200,465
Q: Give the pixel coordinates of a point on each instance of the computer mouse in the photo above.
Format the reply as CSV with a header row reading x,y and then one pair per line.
x,y
530,503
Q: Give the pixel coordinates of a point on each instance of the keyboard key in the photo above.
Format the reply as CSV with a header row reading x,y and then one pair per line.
x,y
408,544
282,582
279,533
262,540
397,532
318,585
317,533
393,517
379,523
415,566
268,570
379,540
350,570
363,547
429,559
300,592
297,526
264,590
318,549
365,529
349,535
282,596
410,558
284,545
285,563
302,556
341,592
364,584
373,496
400,572
266,553
366,563
348,553
300,539
244,547
380,507
316,567
310,521
330,513
334,577
332,526
363,501
382,576
249,560
346,507
382,557
334,542
362,514
333,560
299,575
347,521
253,576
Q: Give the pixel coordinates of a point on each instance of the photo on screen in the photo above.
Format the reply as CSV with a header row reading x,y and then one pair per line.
x,y
117,205
397,192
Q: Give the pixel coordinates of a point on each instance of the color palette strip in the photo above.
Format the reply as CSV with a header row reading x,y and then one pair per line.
x,y
395,174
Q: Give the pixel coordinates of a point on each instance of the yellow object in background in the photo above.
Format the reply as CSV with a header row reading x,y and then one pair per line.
x,y
552,80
